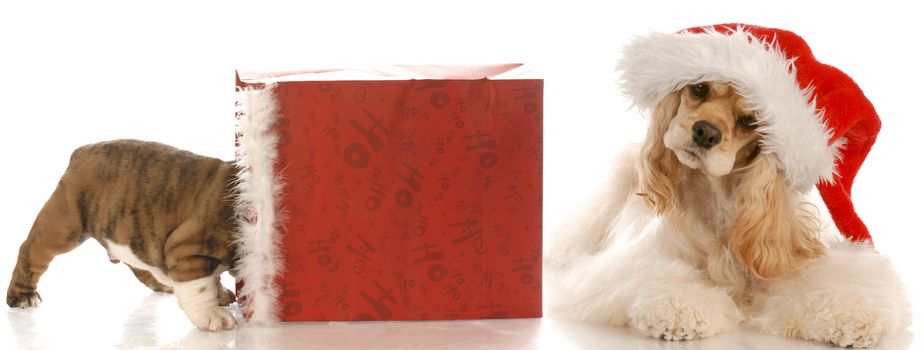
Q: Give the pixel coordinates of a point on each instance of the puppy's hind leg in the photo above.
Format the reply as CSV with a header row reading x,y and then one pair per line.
x,y
56,230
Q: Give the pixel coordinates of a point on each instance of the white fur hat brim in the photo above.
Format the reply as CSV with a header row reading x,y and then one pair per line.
x,y
655,65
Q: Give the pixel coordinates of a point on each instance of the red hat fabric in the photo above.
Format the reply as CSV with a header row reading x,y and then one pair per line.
x,y
813,117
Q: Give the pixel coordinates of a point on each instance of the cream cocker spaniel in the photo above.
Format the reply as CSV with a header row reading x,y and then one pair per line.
x,y
707,224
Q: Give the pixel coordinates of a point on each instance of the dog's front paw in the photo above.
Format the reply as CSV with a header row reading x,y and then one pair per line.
x,y
671,319
825,318
855,329
683,313
213,319
23,299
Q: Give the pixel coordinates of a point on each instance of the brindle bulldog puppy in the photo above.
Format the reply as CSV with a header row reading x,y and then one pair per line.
x,y
166,213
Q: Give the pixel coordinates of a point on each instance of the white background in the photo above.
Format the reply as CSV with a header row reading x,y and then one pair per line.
x,y
77,72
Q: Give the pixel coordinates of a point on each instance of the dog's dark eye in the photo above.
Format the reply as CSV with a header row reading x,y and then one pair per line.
x,y
700,90
747,122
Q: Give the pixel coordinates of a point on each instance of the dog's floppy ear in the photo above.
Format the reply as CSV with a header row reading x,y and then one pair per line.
x,y
660,171
773,234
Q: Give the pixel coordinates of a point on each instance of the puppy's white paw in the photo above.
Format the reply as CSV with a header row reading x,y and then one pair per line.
x,y
199,299
23,299
213,319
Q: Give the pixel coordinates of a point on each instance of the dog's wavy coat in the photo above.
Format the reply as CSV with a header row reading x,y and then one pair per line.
x,y
686,242
699,229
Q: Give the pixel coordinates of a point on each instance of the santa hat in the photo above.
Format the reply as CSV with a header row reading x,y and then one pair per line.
x,y
813,117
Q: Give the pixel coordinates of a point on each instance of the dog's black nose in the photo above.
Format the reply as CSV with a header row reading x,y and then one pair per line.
x,y
705,134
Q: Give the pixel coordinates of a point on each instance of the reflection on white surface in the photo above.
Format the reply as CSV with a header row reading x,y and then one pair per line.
x,y
155,323
109,309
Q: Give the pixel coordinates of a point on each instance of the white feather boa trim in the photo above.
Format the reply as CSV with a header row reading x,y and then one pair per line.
x,y
258,190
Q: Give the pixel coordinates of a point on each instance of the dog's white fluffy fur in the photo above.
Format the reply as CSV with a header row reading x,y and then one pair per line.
x,y
678,253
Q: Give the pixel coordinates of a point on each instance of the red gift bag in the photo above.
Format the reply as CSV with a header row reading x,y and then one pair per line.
x,y
413,193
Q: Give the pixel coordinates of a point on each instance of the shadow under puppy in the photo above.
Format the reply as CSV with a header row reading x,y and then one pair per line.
x,y
166,213
707,225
